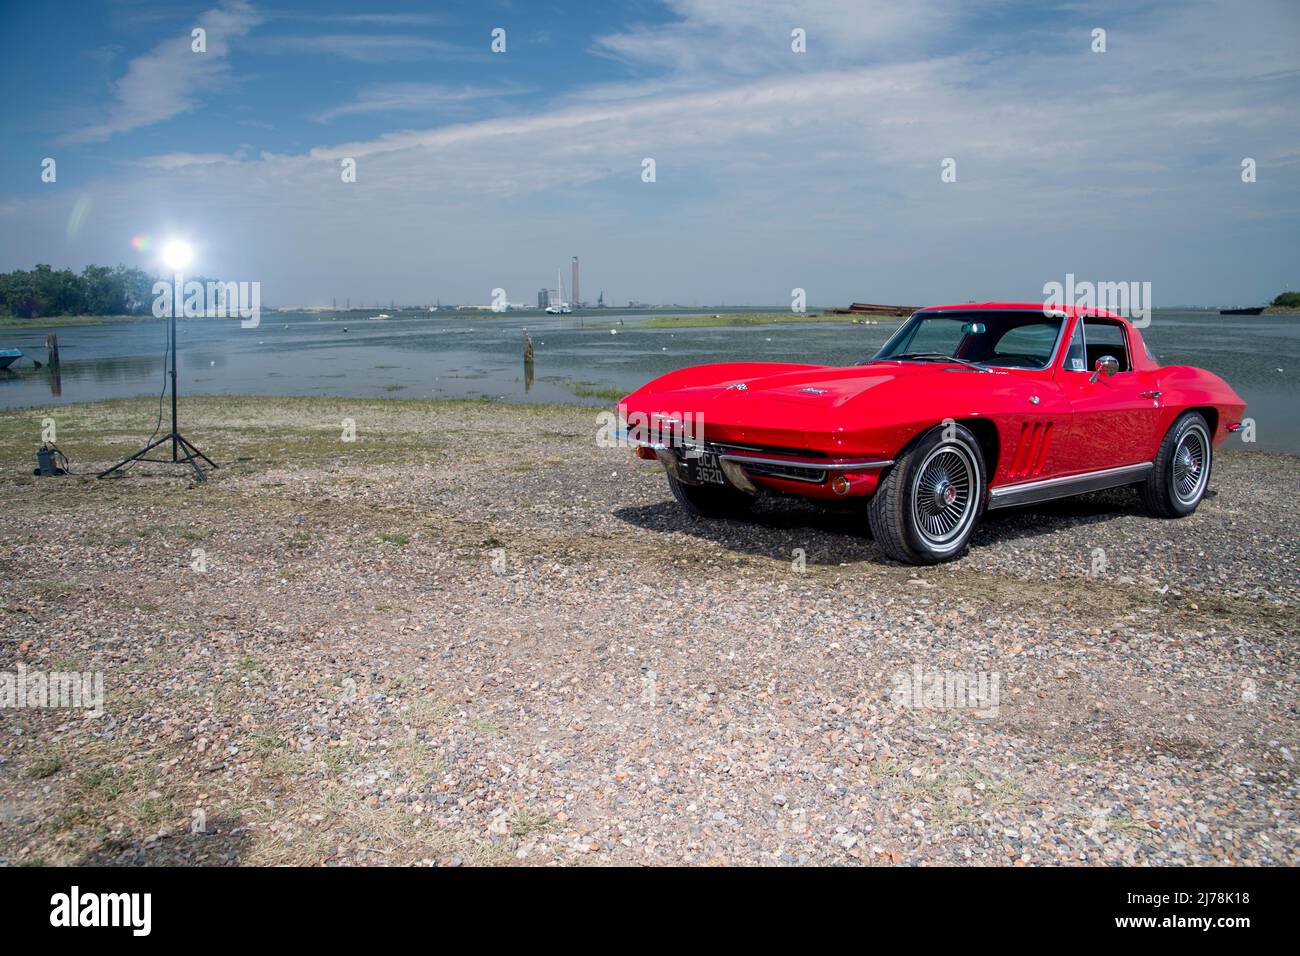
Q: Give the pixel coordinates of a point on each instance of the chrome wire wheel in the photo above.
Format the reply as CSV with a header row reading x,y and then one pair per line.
x,y
945,496
1191,465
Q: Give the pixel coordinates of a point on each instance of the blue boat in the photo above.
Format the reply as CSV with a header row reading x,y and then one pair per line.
x,y
9,356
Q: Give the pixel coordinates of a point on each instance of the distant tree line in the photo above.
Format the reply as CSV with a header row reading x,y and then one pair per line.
x,y
98,290
1288,300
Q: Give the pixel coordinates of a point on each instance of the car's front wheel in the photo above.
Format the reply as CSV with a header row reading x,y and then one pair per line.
x,y
926,506
710,501
1180,474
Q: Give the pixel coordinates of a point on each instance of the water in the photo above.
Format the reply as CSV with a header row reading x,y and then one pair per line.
x,y
420,355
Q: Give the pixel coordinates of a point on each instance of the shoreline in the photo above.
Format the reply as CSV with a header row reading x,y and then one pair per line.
x,y
66,321
723,320
648,314
644,318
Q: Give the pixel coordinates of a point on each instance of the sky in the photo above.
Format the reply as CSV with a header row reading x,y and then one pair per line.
x,y
820,170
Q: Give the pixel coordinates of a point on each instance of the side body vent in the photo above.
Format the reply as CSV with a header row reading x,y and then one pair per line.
x,y
1031,450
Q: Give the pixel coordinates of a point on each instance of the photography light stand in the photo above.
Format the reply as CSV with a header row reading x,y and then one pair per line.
x,y
178,441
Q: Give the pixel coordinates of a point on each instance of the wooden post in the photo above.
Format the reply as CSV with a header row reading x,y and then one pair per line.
x,y
528,362
52,348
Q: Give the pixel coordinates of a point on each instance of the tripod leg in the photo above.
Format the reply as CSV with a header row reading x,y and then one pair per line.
x,y
140,454
188,458
190,447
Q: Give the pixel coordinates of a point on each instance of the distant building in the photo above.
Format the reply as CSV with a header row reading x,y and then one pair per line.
x,y
573,291
552,298
543,298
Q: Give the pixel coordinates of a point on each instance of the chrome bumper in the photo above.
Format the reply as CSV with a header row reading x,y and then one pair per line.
x,y
737,462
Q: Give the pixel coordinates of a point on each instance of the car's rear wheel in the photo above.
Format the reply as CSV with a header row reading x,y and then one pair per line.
x,y
711,501
1180,475
926,506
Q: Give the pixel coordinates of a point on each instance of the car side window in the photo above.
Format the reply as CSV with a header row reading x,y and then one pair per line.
x,y
1076,357
1106,338
1025,345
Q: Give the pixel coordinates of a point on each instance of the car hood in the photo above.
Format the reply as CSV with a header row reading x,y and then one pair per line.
x,y
863,409
815,386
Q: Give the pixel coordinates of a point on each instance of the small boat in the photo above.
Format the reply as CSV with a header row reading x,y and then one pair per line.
x,y
559,306
1256,311
9,356
380,316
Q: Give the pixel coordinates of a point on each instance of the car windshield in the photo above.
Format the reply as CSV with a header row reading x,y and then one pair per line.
x,y
1024,339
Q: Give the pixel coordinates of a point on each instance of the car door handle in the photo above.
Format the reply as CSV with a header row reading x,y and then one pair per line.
x,y
1153,393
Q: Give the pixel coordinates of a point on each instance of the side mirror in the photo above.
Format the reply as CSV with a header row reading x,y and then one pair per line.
x,y
1107,365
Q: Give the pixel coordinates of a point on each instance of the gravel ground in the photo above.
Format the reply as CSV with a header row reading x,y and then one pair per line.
x,y
470,636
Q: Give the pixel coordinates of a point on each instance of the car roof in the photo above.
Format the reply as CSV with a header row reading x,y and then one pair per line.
x,y
1069,310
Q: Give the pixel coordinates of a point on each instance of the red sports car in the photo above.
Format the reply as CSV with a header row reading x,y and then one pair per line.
x,y
966,407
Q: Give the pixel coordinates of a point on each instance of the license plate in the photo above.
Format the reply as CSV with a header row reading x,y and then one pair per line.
x,y
705,468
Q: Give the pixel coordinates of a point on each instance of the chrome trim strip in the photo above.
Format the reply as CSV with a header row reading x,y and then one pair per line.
x,y
622,434
818,463
821,464
1067,479
1031,492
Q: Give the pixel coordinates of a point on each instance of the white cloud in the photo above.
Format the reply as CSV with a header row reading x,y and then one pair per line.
x,y
167,80
409,97
747,37
182,160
